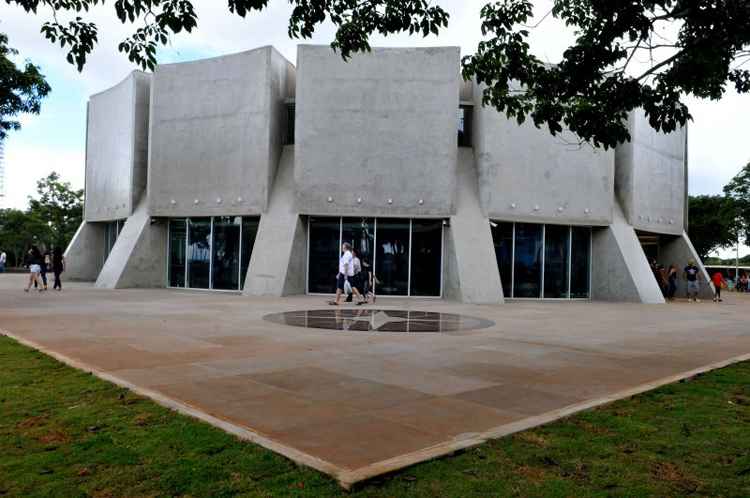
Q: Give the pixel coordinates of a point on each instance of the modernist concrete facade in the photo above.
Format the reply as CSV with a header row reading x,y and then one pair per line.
x,y
245,173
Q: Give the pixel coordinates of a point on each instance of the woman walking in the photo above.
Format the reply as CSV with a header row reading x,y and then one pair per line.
x,y
34,261
58,266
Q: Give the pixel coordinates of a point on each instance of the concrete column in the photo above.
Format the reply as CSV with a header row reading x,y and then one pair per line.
x,y
471,273
139,256
620,270
84,256
277,265
678,251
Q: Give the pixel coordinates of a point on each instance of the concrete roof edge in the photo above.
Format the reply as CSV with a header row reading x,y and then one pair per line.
x,y
127,78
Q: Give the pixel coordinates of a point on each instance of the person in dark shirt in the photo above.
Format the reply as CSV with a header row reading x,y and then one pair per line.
x,y
34,262
693,284
671,282
58,266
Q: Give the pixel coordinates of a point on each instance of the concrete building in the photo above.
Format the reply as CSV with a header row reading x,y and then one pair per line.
x,y
246,173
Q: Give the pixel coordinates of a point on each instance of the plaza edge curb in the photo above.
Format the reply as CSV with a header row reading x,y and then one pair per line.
x,y
348,478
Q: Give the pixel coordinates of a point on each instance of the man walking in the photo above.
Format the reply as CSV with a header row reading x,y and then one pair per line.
x,y
346,270
3,259
693,286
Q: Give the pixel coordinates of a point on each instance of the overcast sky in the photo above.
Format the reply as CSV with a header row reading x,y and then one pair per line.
x,y
55,140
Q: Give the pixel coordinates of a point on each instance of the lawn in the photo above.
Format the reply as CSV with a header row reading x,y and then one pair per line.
x,y
65,433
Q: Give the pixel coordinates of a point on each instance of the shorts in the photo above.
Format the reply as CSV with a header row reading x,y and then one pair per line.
x,y
35,269
693,287
340,279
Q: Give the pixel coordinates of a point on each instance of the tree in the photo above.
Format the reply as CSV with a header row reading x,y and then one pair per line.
x,y
738,189
59,207
595,86
19,230
712,223
21,90
590,92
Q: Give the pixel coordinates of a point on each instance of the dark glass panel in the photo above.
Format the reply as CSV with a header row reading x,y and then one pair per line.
x,y
527,276
323,260
392,260
556,239
199,252
249,232
360,233
226,253
580,262
502,237
426,257
176,269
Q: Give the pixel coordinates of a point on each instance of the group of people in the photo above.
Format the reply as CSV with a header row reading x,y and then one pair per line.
x,y
39,264
742,284
667,280
354,278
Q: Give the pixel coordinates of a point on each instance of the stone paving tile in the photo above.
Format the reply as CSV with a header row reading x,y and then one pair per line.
x,y
519,399
356,441
447,416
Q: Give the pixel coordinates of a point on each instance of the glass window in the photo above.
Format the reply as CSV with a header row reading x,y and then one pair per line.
x,y
426,257
580,264
502,236
392,260
199,252
527,270
176,268
325,246
225,273
249,232
556,261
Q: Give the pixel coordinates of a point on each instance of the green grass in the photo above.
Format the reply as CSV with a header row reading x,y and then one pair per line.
x,y
65,433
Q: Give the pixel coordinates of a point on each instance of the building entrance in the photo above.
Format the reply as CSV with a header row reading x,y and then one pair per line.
x,y
400,256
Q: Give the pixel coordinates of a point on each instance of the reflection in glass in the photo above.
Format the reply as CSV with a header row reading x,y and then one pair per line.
x,y
360,233
580,263
249,232
226,253
502,236
324,237
199,252
556,261
176,269
426,259
392,260
527,278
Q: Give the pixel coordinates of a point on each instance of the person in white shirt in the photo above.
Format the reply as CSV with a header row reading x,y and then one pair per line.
x,y
3,259
346,270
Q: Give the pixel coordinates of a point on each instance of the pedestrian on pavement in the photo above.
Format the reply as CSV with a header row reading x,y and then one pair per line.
x,y
346,270
58,266
3,259
693,285
356,281
671,281
719,282
34,262
46,266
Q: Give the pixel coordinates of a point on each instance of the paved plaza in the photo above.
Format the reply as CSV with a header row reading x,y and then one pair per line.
x,y
357,403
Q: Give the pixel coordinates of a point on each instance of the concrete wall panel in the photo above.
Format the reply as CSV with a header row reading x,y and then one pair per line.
x,y
526,174
84,255
620,270
215,134
116,144
138,258
381,126
650,177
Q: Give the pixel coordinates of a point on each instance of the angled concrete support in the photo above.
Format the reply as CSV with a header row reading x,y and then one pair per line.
x,y
138,258
277,265
620,270
84,256
471,273
678,251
